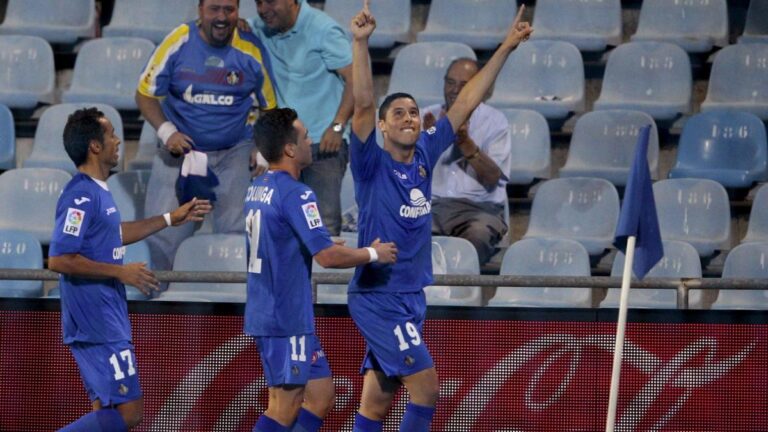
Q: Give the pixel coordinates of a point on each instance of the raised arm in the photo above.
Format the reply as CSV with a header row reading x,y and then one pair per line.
x,y
364,115
472,93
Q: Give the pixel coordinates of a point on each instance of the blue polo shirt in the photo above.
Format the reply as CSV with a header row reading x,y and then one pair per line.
x,y
303,61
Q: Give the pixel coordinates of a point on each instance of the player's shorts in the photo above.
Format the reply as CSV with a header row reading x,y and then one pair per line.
x,y
292,360
391,324
108,371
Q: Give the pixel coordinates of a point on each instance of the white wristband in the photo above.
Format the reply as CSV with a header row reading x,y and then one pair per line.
x,y
165,131
373,255
167,218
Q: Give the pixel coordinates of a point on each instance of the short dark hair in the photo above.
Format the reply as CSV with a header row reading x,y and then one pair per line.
x,y
82,127
388,101
273,130
200,3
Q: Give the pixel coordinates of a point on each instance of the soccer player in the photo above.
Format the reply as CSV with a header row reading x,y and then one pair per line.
x,y
284,232
87,248
393,188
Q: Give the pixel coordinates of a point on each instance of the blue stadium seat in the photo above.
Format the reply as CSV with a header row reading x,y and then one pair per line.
x,y
328,293
454,255
419,69
20,250
591,25
577,208
726,146
149,19
653,77
680,261
147,149
349,210
544,257
745,261
696,211
481,24
106,71
53,20
546,76
530,138
603,145
739,79
29,200
758,217
209,252
136,252
696,26
393,19
129,189
7,139
27,74
48,147
756,26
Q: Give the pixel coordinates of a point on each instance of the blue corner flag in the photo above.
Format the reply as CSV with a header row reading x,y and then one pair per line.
x,y
638,212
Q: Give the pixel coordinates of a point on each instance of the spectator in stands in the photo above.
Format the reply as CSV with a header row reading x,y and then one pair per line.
x,y
469,180
198,92
284,226
87,248
312,66
387,302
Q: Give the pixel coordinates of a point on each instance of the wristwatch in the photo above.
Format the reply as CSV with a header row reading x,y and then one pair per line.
x,y
338,127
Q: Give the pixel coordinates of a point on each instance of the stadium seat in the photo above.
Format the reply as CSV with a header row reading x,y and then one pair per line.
x,y
545,76
696,26
149,19
29,200
147,149
106,71
696,211
481,24
209,252
136,252
603,145
393,19
334,294
129,190
7,139
20,250
653,77
27,74
726,146
745,261
756,26
591,25
349,210
544,257
680,261
577,208
53,20
419,69
758,217
530,138
48,147
739,80
454,255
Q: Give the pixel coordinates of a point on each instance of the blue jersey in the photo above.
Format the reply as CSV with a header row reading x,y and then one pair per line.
x,y
394,199
88,224
209,91
284,232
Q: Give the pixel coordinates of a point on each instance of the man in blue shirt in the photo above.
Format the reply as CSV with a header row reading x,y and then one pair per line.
x,y
87,248
198,91
393,190
284,232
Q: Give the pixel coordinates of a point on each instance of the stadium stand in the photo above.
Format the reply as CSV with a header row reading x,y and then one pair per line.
x,y
696,26
393,19
20,250
531,144
147,148
591,25
59,22
758,218
136,252
129,190
745,261
739,79
149,19
7,139
756,26
27,74
481,24
454,255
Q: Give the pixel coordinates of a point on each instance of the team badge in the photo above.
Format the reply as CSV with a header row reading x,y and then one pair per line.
x,y
294,370
73,222
312,215
123,389
233,78
409,361
422,171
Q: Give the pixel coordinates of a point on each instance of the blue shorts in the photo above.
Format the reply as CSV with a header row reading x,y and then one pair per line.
x,y
108,371
292,360
391,324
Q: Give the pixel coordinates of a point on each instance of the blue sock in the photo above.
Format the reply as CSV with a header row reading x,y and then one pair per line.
x,y
103,420
364,424
417,418
266,424
307,422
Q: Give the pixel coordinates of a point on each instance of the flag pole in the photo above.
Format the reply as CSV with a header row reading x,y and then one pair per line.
x,y
618,349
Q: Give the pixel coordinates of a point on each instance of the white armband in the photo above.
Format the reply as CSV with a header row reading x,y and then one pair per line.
x,y
165,131
373,255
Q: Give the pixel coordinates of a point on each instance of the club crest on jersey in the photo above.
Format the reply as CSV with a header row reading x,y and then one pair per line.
x,y
422,171
233,78
73,222
312,215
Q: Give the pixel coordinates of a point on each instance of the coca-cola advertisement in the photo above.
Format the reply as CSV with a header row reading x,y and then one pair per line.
x,y
200,373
